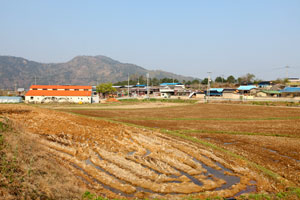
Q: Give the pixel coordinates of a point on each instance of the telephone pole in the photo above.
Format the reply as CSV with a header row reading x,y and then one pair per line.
x,y
148,85
287,71
128,85
138,83
208,87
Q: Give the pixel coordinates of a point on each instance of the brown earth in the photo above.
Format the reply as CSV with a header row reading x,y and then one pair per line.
x,y
269,136
28,171
116,160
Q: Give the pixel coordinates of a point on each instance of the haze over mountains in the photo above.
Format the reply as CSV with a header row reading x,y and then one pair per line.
x,y
81,70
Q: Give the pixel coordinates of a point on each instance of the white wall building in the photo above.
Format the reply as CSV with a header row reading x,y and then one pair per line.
x,y
59,93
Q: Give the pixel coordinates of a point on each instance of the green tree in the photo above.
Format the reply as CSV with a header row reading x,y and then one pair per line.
x,y
105,89
188,83
204,81
195,81
219,79
155,81
231,79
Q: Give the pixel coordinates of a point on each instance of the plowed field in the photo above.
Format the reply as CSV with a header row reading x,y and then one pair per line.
x,y
269,136
117,160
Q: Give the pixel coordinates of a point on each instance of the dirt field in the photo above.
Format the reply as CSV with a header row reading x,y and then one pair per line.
x,y
116,160
269,136
114,105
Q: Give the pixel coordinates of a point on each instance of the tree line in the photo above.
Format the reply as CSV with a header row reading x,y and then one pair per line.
x,y
142,80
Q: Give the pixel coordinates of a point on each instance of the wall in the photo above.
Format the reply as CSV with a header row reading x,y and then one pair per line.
x,y
47,99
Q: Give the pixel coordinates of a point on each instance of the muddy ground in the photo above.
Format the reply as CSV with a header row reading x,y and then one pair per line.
x,y
269,136
116,160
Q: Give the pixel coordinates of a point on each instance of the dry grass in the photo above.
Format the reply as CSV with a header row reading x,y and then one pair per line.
x,y
122,161
27,171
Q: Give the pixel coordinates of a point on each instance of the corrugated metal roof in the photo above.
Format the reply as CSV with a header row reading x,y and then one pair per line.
x,y
57,93
9,97
165,84
271,91
246,87
61,86
217,89
291,89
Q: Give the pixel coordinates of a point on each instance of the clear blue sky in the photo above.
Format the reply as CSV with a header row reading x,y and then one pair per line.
x,y
185,37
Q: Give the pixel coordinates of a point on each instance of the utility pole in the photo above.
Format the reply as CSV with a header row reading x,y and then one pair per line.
x,y
208,87
128,85
148,85
138,83
287,71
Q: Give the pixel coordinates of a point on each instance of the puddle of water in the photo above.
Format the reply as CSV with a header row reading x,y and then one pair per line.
x,y
88,162
276,152
84,180
249,189
99,156
273,151
193,179
223,168
174,176
116,191
131,153
147,153
228,143
230,180
174,182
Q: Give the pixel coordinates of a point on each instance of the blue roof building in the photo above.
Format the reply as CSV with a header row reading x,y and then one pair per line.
x,y
291,90
246,87
166,84
220,90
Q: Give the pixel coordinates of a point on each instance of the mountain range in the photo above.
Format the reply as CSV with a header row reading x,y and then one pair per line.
x,y
81,70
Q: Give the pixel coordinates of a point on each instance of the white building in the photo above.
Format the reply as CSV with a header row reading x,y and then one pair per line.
x,y
6,99
59,93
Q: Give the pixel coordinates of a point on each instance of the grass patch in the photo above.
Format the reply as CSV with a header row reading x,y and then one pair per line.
x,y
238,133
160,100
209,119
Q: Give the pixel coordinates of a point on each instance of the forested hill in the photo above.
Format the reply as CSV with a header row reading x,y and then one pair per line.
x,y
81,70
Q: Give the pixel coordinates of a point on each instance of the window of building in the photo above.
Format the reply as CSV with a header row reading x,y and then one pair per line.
x,y
76,89
67,89
86,89
34,88
54,89
44,88
31,98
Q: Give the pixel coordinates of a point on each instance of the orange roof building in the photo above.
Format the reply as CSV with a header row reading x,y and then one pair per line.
x,y
59,93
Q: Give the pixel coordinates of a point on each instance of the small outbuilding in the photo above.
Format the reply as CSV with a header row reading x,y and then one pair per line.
x,y
8,99
291,91
247,89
